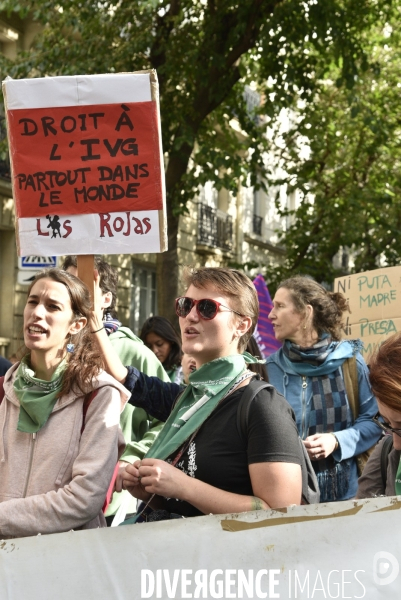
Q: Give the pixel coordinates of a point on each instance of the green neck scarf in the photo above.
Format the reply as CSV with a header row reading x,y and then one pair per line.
x,y
398,480
208,385
36,397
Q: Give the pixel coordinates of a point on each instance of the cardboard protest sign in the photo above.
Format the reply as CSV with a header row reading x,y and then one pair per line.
x,y
87,164
375,305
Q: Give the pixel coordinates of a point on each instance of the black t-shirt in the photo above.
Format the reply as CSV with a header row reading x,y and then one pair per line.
x,y
219,455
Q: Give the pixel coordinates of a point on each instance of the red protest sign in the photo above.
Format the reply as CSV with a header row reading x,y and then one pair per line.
x,y
88,159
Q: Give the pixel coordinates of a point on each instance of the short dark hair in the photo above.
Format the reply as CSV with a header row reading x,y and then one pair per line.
x,y
163,328
108,277
231,283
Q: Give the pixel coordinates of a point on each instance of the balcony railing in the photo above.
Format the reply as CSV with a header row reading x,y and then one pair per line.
x,y
215,228
257,224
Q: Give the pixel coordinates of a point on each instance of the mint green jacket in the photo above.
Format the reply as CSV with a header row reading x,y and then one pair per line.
x,y
139,429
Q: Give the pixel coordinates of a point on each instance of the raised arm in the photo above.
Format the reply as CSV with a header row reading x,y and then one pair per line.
x,y
112,364
152,394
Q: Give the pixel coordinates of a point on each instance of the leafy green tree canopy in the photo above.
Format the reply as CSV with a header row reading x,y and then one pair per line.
x,y
350,181
205,52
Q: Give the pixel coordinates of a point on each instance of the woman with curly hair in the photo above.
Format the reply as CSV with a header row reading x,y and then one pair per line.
x,y
59,415
309,371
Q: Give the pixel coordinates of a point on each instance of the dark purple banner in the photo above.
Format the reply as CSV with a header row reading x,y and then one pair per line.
x,y
264,333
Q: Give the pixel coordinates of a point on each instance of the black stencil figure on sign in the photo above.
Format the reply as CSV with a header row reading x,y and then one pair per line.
x,y
54,223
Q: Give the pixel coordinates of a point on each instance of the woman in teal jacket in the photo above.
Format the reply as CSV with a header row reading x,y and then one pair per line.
x,y
308,371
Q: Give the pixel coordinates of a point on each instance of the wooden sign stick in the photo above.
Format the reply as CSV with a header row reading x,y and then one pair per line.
x,y
85,268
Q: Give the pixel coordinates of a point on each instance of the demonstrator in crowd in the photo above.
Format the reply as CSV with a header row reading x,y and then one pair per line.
x,y
325,380
139,429
200,463
382,473
60,416
160,336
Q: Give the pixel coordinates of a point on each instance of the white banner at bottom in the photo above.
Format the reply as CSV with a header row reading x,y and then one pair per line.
x,y
104,233
340,550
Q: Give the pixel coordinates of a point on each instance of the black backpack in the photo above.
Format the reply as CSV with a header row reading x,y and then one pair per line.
x,y
310,486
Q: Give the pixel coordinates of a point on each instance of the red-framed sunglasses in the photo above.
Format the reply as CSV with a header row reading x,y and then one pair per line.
x,y
206,308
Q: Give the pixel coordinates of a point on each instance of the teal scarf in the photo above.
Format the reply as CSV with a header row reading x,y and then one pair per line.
x,y
303,364
208,385
36,397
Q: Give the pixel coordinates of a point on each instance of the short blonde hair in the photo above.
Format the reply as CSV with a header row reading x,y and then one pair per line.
x,y
232,283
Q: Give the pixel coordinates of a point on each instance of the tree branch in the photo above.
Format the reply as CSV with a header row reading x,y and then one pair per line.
x,y
164,27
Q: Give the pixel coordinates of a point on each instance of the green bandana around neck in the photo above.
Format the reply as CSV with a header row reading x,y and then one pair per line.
x,y
207,386
36,397
398,480
249,359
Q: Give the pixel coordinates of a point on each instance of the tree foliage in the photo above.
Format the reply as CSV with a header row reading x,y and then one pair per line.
x,y
350,182
205,53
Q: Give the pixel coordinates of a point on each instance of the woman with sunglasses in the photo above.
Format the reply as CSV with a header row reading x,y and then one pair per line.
x,y
382,473
199,464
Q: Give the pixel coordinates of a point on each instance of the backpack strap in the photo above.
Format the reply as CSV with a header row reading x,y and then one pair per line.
x,y
1,389
251,390
86,404
350,374
385,451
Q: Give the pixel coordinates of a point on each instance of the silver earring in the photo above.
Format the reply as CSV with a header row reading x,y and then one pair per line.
x,y
70,346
